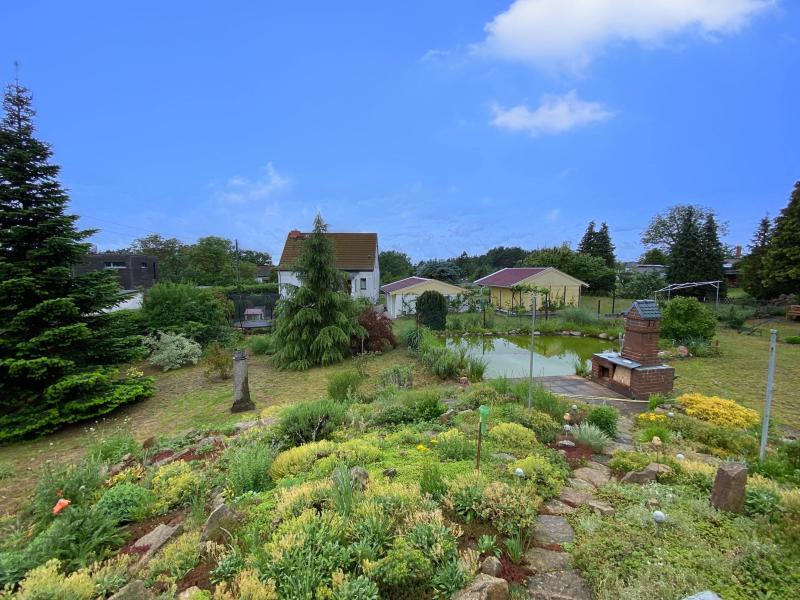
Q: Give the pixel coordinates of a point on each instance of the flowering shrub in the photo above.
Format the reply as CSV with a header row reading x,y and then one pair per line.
x,y
454,445
171,350
718,410
174,484
299,459
47,581
512,438
651,417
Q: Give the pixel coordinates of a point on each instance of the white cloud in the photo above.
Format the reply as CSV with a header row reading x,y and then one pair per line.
x,y
241,190
570,32
555,114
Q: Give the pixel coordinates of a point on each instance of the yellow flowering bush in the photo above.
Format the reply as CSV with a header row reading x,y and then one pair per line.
x,y
176,559
246,586
129,475
651,417
173,484
47,581
297,498
718,410
300,459
547,478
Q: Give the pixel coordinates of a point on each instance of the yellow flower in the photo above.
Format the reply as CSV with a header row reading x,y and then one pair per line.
x,y
434,441
719,411
422,447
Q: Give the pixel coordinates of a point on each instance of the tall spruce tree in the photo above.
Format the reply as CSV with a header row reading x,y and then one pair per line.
x,y
782,260
686,252
56,341
597,242
318,318
752,265
586,246
713,254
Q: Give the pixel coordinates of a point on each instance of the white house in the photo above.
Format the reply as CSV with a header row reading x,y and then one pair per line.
x,y
354,253
401,296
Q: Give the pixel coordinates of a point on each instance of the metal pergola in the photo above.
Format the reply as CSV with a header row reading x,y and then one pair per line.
x,y
689,284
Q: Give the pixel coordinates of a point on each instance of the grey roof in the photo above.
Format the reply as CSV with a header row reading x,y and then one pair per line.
x,y
648,309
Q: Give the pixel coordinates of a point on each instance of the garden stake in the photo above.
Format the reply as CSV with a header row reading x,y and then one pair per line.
x,y
483,411
773,340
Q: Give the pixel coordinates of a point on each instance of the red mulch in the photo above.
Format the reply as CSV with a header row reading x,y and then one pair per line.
x,y
199,576
514,573
576,455
162,455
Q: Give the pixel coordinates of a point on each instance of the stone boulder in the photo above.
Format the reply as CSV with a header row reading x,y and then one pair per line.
x,y
135,590
447,416
219,524
189,593
595,473
484,587
152,542
647,475
492,566
729,487
359,477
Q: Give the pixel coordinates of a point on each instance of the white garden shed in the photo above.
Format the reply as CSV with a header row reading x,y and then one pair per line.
x,y
401,296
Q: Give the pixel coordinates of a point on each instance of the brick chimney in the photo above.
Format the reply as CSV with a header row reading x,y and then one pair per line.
x,y
738,251
294,234
642,330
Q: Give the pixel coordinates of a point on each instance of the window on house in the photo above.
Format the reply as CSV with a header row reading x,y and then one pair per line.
x,y
144,265
363,283
114,264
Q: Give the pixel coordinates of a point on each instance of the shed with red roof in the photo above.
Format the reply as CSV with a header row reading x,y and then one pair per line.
x,y
510,288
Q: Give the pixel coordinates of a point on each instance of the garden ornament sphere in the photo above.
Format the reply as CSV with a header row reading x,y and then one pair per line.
x,y
567,428
519,473
656,441
574,408
567,417
670,414
659,517
679,456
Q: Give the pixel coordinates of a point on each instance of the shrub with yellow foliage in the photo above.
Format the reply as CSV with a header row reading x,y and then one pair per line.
x,y
719,411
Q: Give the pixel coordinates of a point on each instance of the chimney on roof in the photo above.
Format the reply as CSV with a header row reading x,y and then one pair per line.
x,y
738,251
294,234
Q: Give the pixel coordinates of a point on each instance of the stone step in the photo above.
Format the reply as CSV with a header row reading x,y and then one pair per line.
x,y
552,532
556,507
541,560
558,585
575,498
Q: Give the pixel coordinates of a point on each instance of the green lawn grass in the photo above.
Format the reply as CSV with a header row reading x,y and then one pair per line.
x,y
740,371
184,399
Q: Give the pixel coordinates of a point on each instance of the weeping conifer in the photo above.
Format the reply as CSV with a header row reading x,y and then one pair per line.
x,y
315,322
57,344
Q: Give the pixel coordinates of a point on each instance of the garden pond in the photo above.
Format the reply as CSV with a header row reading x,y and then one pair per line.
x,y
508,355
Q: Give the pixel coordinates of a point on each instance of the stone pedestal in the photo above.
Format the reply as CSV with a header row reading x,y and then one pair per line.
x,y
728,492
241,387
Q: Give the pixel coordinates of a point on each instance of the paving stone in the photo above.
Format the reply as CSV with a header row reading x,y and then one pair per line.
x,y
601,508
541,560
573,497
559,585
552,531
596,477
556,507
153,541
582,485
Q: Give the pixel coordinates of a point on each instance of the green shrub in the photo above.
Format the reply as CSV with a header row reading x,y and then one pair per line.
x,y
624,461
440,360
261,345
512,438
431,481
578,316
590,435
126,502
397,375
792,339
448,580
542,424
412,337
171,350
454,445
660,431
310,421
426,404
343,386
247,467
111,448
174,484
604,417
546,477
657,400
432,310
476,368
487,544
684,318
176,559
77,483
761,501
217,361
197,313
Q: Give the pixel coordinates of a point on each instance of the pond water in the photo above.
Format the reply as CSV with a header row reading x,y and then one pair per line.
x,y
508,355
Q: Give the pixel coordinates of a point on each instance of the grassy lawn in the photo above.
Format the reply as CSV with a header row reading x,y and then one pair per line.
x,y
590,303
740,371
184,399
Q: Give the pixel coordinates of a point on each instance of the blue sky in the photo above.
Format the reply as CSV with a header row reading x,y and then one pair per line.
x,y
444,126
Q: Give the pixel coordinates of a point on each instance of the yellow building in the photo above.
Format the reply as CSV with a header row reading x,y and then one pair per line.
x,y
510,287
401,296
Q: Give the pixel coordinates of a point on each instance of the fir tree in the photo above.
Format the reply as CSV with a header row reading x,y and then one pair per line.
x,y
316,321
586,245
56,341
752,266
782,260
598,243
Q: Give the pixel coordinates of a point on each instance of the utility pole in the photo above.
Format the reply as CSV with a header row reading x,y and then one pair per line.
x,y
773,345
238,290
530,364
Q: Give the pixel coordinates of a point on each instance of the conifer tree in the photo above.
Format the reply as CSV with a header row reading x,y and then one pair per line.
x,y
586,245
686,254
56,341
598,243
782,260
317,319
752,266
713,254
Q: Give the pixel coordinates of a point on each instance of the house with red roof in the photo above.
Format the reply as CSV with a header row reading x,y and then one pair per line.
x,y
509,287
401,295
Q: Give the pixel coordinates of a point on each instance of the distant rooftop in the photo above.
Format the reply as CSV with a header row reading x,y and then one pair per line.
x,y
509,276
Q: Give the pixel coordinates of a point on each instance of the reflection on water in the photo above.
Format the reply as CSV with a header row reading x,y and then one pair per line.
x,y
507,356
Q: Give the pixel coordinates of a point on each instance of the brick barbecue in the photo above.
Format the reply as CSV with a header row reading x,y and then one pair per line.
x,y
637,371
